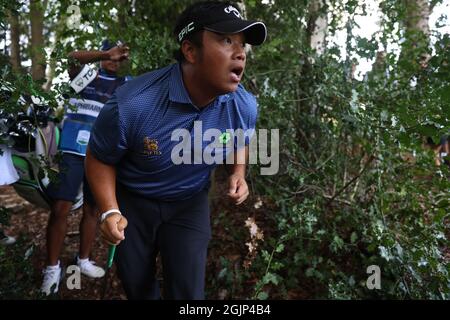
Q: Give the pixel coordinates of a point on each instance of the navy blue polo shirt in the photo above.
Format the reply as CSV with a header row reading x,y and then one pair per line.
x,y
135,132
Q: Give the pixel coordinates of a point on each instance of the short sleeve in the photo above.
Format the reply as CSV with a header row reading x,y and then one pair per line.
x,y
253,117
246,115
251,108
108,142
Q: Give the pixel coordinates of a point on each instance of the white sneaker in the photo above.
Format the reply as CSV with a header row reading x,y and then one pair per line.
x,y
88,268
7,240
52,277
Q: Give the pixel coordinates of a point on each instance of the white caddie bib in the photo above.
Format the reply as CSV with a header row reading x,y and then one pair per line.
x,y
86,76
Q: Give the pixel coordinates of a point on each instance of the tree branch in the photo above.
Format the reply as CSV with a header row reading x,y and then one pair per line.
x,y
352,180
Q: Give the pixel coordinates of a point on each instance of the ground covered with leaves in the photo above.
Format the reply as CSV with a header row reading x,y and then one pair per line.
x,y
28,224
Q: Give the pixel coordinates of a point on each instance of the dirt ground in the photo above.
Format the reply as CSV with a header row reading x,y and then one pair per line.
x,y
30,222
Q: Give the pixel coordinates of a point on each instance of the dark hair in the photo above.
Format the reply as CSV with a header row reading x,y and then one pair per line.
x,y
195,38
189,14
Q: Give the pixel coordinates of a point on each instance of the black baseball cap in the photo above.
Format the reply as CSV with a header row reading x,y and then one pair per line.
x,y
108,44
219,17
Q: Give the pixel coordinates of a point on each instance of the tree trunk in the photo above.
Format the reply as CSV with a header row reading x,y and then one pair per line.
x,y
52,63
124,10
418,16
15,36
242,9
417,31
37,40
317,26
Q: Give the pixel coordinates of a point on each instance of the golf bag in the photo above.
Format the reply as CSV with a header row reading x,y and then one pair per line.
x,y
29,153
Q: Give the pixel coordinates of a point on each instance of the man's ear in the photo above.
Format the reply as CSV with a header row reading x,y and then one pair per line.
x,y
189,51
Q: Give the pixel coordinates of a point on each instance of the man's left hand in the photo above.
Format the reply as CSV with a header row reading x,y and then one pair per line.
x,y
119,53
238,188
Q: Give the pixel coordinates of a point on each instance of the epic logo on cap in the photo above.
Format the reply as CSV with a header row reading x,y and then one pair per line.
x,y
185,31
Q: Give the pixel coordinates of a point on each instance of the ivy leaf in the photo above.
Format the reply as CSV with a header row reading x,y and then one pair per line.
x,y
279,248
384,252
353,237
270,278
262,295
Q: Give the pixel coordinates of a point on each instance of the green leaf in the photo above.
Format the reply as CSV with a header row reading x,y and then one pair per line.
x,y
353,237
262,295
279,248
309,272
270,278
384,252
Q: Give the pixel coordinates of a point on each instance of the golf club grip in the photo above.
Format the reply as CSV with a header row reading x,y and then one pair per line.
x,y
111,251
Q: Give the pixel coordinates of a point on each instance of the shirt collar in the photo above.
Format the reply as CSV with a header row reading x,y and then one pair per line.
x,y
103,73
177,91
179,94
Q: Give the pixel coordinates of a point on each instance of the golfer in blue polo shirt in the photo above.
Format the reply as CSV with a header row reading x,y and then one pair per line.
x,y
149,156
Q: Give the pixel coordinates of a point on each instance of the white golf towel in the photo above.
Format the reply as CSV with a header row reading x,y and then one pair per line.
x,y
8,174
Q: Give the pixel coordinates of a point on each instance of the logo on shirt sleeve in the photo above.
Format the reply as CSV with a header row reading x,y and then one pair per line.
x,y
151,147
83,137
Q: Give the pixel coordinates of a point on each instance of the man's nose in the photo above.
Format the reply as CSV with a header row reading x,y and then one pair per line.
x,y
239,51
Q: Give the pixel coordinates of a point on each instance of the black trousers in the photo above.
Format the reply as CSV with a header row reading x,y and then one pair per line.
x,y
180,231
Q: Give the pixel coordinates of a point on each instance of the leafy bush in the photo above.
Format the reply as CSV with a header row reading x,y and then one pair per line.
x,y
356,186
16,268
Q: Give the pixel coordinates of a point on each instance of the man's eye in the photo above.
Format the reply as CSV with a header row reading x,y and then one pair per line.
x,y
227,40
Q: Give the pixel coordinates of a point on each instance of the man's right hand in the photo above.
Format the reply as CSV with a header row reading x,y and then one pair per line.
x,y
119,53
112,228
